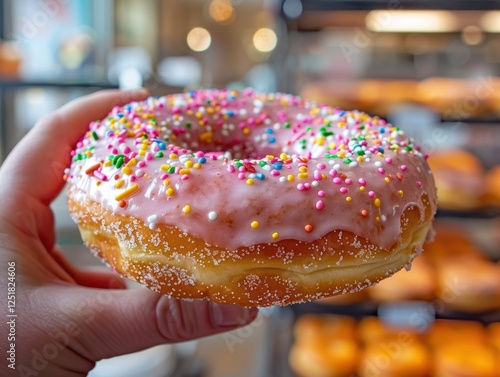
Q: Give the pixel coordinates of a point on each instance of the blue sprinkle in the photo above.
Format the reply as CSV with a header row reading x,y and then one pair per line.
x,y
230,113
202,160
380,149
260,176
270,131
277,165
120,115
342,113
128,107
109,133
161,144
272,139
381,130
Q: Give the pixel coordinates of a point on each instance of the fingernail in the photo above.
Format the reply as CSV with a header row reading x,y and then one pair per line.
x,y
228,315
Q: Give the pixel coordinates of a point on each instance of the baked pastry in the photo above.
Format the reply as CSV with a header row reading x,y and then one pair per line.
x,y
465,360
247,198
471,287
392,359
459,179
417,284
324,346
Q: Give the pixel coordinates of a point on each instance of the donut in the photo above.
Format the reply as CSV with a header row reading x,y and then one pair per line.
x,y
249,198
459,179
492,182
465,360
391,359
325,346
417,284
473,287
446,331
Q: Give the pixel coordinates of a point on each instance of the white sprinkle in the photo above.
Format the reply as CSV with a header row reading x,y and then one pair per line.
x,y
383,218
378,164
282,179
313,183
336,166
153,219
212,215
152,226
139,173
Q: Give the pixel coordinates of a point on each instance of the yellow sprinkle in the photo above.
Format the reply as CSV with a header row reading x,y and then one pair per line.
x,y
89,153
387,180
254,224
120,183
362,188
323,175
290,178
132,162
206,136
348,199
188,164
126,170
341,154
401,193
199,115
210,110
184,171
143,147
377,218
302,175
197,165
284,102
142,152
165,167
127,193
186,209
250,181
173,156
275,235
269,157
108,163
379,154
360,158
246,131
377,202
170,191
166,182
303,169
283,156
175,117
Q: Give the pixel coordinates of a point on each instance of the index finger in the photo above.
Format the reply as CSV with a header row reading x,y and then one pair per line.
x,y
36,165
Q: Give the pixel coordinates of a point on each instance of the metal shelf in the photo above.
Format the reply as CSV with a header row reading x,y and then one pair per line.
x,y
317,5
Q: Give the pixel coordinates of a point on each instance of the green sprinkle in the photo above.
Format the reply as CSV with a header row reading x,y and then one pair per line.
x,y
94,135
188,125
159,155
287,125
347,161
262,163
116,158
119,162
171,170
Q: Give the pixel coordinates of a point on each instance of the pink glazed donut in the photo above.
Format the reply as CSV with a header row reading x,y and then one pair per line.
x,y
249,198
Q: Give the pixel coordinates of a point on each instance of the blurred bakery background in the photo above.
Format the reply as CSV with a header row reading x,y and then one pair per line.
x,y
430,67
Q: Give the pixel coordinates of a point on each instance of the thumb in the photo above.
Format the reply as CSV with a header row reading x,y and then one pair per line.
x,y
117,322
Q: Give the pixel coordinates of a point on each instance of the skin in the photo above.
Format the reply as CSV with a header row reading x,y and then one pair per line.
x,y
69,318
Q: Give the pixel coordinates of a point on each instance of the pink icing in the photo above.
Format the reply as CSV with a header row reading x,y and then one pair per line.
x,y
274,160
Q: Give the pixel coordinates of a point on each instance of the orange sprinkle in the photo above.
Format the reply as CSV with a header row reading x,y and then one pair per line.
x,y
308,228
364,213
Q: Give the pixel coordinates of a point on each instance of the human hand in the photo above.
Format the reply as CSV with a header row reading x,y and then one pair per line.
x,y
68,318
